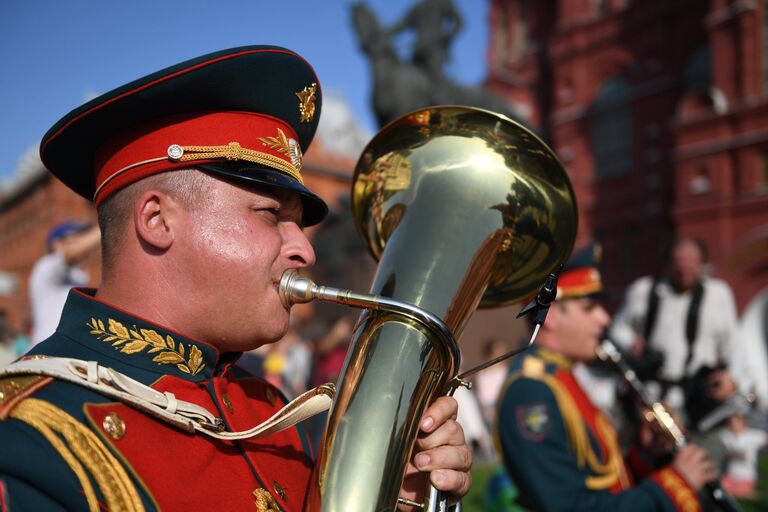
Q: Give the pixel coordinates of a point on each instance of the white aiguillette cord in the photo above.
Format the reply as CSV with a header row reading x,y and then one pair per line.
x,y
166,406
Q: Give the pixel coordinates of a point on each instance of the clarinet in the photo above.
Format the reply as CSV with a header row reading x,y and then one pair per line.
x,y
608,352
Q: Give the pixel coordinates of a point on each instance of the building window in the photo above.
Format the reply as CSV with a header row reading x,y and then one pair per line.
x,y
699,95
761,183
601,7
698,70
765,45
612,129
628,251
520,30
700,182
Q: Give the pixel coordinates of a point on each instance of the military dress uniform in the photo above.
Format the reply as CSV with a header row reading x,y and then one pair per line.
x,y
63,444
560,450
244,115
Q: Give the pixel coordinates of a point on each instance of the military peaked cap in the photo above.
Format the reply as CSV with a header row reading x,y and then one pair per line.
x,y
247,114
580,276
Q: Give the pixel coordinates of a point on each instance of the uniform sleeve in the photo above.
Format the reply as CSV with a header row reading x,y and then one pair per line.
x,y
536,451
32,475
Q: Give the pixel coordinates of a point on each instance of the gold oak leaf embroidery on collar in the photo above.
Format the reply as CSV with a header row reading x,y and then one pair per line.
x,y
133,341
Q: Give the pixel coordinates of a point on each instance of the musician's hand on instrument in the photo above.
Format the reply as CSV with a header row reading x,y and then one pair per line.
x,y
636,349
720,385
693,463
441,451
653,436
653,440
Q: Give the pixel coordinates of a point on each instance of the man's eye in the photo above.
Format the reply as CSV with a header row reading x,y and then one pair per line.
x,y
271,212
589,306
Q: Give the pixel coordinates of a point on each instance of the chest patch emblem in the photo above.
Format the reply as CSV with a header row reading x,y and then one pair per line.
x,y
135,341
533,421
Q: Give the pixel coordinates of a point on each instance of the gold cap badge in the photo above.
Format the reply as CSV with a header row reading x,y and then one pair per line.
x,y
307,103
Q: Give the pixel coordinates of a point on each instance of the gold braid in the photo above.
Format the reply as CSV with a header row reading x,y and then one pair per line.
x,y
606,474
110,476
234,151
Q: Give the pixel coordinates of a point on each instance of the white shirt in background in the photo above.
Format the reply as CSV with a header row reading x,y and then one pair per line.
x,y
49,284
715,337
742,448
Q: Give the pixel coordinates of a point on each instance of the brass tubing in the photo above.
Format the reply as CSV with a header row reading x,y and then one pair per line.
x,y
296,289
462,208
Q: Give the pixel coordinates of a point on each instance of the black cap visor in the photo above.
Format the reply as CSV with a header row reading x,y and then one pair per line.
x,y
315,208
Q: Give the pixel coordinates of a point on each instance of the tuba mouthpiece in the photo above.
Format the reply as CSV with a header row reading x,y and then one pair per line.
x,y
295,289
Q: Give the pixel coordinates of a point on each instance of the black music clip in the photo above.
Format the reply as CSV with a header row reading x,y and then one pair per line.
x,y
540,304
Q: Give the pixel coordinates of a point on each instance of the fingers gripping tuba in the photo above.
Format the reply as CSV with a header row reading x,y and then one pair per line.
x,y
462,207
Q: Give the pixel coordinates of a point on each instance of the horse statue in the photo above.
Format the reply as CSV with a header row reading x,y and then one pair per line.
x,y
400,87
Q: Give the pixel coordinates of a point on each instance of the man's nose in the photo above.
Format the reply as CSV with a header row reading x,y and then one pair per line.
x,y
603,316
297,247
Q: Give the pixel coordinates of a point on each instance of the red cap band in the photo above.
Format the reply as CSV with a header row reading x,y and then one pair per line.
x,y
182,142
579,282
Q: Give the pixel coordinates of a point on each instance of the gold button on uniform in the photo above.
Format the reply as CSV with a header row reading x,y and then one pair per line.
x,y
280,490
227,403
114,426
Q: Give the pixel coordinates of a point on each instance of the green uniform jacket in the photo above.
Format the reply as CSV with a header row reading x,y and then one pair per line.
x,y
64,447
562,453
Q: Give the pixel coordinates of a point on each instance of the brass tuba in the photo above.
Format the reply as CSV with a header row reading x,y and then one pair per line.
x,y
462,207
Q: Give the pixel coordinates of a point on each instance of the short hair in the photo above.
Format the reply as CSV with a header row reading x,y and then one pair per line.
x,y
186,186
686,240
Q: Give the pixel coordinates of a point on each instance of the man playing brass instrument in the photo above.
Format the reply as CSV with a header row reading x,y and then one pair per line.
x,y
136,403
560,450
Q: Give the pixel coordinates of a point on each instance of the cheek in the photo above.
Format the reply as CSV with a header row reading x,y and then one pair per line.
x,y
581,326
223,240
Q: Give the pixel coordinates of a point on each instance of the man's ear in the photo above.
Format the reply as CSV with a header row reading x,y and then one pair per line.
x,y
155,216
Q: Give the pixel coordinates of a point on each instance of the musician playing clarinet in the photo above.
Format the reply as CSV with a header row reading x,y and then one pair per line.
x,y
560,449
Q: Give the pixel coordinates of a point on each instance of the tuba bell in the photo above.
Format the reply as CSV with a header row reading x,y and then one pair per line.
x,y
462,208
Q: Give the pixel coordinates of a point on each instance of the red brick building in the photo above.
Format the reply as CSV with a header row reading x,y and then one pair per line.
x,y
659,111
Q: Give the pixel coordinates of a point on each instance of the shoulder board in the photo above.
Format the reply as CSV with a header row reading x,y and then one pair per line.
x,y
85,453
16,388
533,367
604,475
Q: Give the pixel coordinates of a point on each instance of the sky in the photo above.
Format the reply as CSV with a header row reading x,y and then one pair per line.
x,y
56,54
